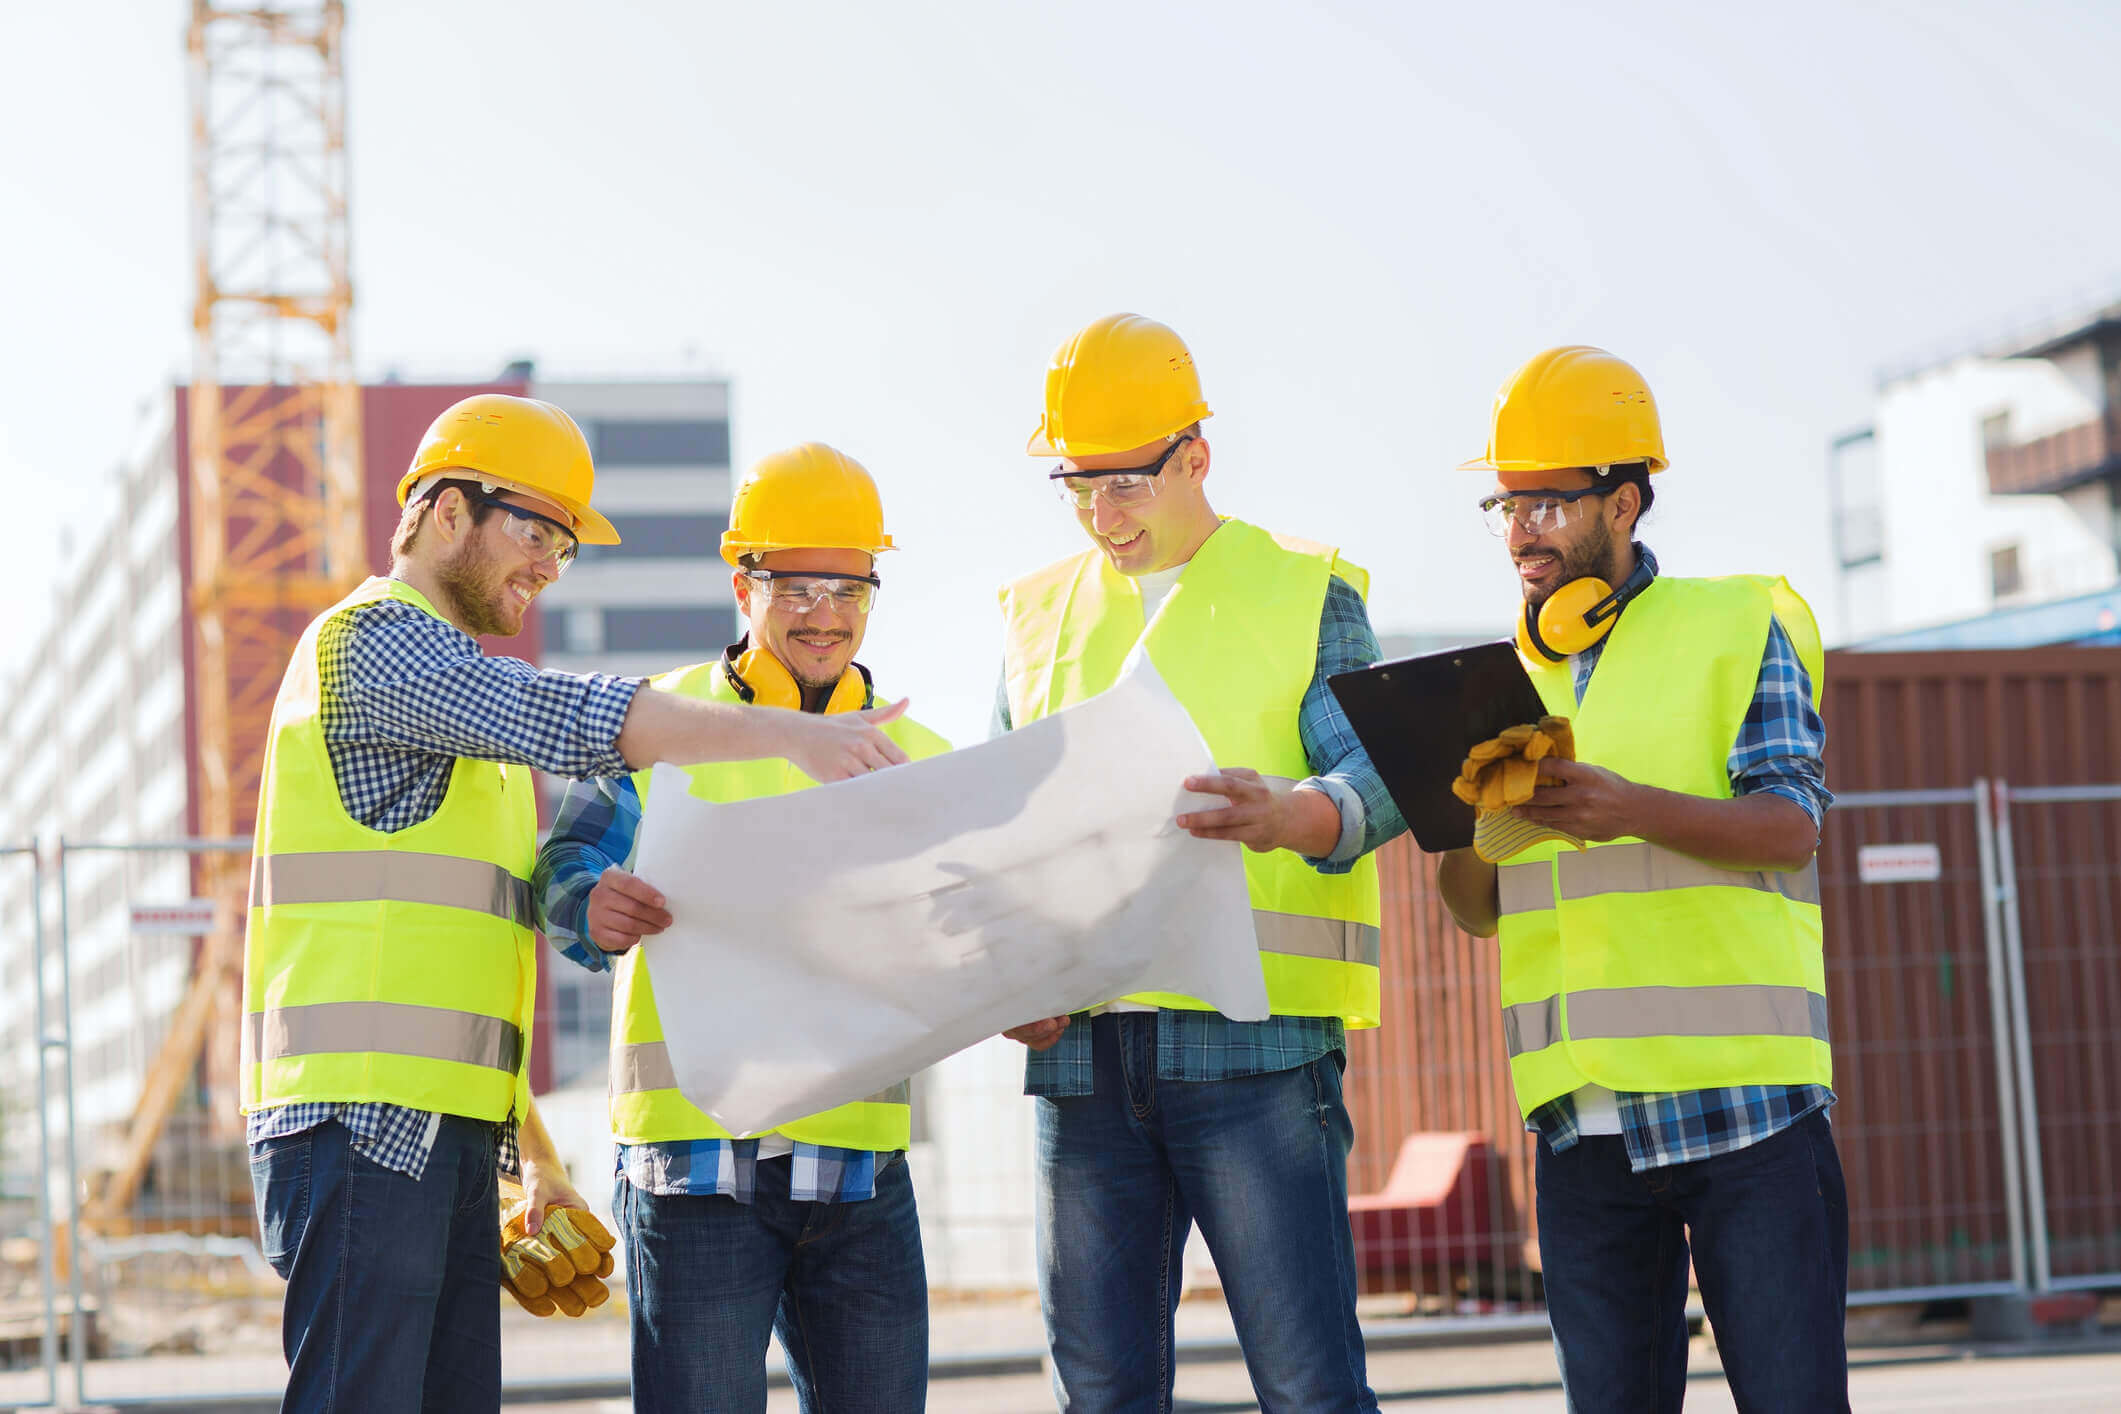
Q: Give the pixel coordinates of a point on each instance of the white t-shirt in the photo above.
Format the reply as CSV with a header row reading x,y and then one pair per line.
x,y
1155,587
1597,1110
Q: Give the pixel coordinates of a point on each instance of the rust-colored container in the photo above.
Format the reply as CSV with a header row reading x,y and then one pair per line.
x,y
1920,1123
2038,720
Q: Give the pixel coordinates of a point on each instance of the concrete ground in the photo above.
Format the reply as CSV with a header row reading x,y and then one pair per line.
x,y
987,1353
1521,1379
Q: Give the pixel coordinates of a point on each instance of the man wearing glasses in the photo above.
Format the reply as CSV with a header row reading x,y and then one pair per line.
x,y
390,970
810,1230
1155,1112
1665,988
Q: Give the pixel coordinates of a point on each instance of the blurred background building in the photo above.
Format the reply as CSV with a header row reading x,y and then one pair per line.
x,y
1982,505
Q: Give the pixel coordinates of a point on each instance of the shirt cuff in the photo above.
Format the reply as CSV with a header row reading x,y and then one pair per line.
x,y
1791,790
1353,819
611,698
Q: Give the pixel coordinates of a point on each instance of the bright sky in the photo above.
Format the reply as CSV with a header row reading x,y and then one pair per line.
x,y
880,220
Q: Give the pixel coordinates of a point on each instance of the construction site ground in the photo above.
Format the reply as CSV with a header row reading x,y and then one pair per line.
x,y
987,1359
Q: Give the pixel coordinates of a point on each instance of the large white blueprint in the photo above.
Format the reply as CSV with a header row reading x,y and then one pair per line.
x,y
831,942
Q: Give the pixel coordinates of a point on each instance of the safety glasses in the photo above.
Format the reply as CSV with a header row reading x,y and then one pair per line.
x,y
542,536
1128,486
1536,512
799,592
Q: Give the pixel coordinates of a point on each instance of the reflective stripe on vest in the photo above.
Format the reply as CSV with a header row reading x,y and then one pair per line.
x,y
1637,868
1615,1013
357,876
389,1028
645,1065
1335,939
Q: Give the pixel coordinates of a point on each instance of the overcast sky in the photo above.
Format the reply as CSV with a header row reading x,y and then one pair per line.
x,y
879,220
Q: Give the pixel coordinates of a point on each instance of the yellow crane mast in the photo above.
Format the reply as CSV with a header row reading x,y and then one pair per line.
x,y
275,451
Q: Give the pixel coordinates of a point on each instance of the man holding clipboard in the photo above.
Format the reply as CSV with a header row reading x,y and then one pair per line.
x,y
1663,985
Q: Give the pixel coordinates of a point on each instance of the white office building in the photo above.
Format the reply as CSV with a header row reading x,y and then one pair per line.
x,y
1986,483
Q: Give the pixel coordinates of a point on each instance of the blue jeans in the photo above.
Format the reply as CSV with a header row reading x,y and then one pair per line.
x,y
844,1285
1260,1162
393,1283
1770,1243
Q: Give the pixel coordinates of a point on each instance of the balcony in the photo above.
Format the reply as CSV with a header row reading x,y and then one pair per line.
x,y
2055,462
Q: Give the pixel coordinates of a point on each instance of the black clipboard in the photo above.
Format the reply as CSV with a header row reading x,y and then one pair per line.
x,y
1418,717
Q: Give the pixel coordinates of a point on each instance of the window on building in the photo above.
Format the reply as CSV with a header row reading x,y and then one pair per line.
x,y
661,442
677,535
2004,576
1852,481
699,633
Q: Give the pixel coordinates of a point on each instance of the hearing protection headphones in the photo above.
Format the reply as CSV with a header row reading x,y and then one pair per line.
x,y
762,680
1579,614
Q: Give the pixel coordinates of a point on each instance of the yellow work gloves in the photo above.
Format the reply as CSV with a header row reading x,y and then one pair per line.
x,y
1502,772
563,1267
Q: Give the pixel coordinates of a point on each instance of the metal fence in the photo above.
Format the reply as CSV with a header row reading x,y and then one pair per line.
x,y
1976,1053
2060,850
1918,990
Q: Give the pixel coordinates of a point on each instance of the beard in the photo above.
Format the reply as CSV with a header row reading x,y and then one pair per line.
x,y
1589,557
475,584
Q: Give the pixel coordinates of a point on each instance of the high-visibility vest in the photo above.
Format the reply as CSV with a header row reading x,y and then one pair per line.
x,y
1236,640
646,1105
395,967
1635,967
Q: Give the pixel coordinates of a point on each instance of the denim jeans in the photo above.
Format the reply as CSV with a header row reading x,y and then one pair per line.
x,y
1260,1162
393,1283
1769,1236
844,1285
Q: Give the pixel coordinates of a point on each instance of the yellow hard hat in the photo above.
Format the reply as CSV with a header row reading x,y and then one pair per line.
x,y
521,443
1572,406
811,497
1118,383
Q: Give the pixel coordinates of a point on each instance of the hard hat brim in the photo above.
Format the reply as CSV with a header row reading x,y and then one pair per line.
x,y
591,527
1040,445
734,550
1657,464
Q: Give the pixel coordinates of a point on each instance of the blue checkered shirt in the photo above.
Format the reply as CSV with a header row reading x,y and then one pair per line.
x,y
403,694
598,826
1205,1045
1778,752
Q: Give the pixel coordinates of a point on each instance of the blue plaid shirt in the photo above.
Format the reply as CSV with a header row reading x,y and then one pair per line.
x,y
1778,752
1205,1045
598,826
403,694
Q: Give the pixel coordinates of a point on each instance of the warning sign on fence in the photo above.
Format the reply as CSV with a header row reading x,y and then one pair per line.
x,y
1898,863
194,916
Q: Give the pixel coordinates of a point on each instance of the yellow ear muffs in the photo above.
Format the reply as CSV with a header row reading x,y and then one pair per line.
x,y
772,685
1565,625
1578,615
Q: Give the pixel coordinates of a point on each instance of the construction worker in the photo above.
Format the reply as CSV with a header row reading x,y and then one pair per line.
x,y
1664,988
808,1231
389,972
1155,1111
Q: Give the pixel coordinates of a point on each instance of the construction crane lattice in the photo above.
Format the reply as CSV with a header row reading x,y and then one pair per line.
x,y
274,442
